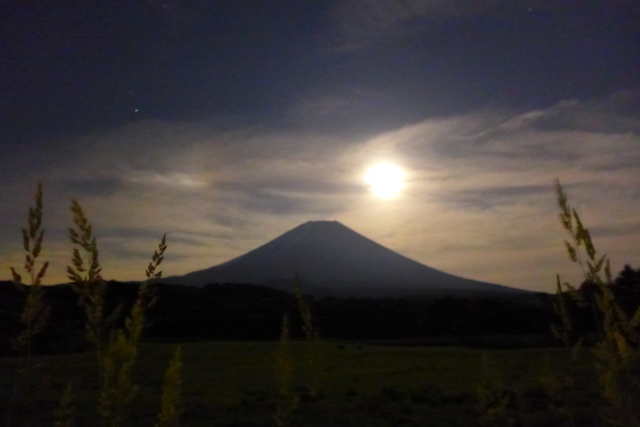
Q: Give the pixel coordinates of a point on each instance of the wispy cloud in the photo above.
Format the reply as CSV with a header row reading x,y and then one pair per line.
x,y
479,199
173,179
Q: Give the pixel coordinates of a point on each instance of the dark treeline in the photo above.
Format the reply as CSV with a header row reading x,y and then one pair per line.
x,y
586,320
251,312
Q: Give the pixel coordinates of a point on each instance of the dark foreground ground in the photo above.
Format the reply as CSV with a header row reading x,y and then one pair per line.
x,y
233,384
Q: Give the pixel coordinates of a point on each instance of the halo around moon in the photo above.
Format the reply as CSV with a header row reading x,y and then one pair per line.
x,y
385,180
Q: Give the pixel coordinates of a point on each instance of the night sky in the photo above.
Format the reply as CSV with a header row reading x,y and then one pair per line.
x,y
227,123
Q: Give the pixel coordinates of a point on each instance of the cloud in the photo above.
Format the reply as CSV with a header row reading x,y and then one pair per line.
x,y
479,198
489,198
617,114
172,179
481,188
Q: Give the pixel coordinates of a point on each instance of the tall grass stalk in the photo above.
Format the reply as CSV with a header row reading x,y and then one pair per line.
x,y
494,400
35,313
170,403
65,412
561,387
117,355
312,339
617,351
87,281
117,389
287,397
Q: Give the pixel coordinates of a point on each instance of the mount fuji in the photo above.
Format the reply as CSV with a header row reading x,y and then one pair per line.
x,y
331,259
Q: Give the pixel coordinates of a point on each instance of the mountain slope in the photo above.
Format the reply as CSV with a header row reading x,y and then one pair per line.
x,y
333,259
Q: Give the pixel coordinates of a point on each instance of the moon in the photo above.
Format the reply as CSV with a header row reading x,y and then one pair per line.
x,y
385,180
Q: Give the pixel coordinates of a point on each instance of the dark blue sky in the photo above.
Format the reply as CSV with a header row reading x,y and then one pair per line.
x,y
245,118
81,65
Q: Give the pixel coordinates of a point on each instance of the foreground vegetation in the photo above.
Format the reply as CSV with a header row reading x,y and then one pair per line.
x,y
234,384
594,381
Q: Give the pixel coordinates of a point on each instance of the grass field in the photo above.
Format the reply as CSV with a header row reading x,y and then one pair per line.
x,y
233,384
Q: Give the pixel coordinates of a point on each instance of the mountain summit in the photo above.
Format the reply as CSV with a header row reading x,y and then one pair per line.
x,y
332,259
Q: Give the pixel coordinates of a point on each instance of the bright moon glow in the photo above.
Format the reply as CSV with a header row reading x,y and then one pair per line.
x,y
385,180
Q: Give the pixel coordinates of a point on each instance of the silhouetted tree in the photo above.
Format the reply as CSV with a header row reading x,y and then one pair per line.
x,y
628,280
626,288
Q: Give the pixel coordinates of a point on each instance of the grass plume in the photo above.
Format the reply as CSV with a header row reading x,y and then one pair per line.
x,y
85,275
287,397
170,403
118,389
117,355
495,401
34,313
312,339
618,348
